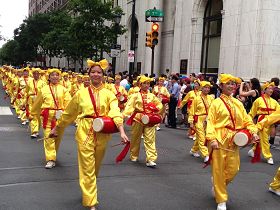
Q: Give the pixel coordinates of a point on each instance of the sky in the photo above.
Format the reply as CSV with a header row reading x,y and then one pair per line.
x,y
12,14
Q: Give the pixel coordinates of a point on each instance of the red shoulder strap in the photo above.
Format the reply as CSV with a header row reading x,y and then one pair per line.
x,y
231,116
93,101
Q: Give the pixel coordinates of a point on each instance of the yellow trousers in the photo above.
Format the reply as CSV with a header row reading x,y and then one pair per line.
x,y
149,134
225,166
264,143
35,122
91,150
199,143
275,184
51,145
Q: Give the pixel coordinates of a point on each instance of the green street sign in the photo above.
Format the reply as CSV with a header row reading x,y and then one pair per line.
x,y
154,13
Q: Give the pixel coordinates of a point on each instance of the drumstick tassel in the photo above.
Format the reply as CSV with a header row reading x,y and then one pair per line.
x,y
257,154
123,153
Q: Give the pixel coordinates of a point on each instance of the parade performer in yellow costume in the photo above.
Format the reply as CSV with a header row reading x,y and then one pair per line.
x,y
134,89
262,106
119,92
198,119
137,105
188,99
268,121
33,86
77,85
51,100
65,81
160,91
89,103
226,116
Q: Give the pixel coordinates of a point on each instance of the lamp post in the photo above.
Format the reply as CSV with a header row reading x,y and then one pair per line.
x,y
133,36
117,20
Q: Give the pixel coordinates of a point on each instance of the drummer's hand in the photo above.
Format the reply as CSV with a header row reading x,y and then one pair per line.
x,y
123,135
256,138
124,138
214,145
53,133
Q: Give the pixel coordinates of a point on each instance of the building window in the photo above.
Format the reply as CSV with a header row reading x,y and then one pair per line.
x,y
211,39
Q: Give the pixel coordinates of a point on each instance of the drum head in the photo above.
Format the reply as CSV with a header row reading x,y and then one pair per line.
x,y
145,119
58,114
121,98
241,139
98,124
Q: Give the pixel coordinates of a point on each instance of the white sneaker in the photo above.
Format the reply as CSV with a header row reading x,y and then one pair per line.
x,y
277,192
151,164
222,206
134,160
142,137
158,128
251,153
206,159
195,154
270,161
92,208
24,123
34,135
50,164
18,117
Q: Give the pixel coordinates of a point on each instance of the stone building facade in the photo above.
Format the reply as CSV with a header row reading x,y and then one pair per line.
x,y
240,37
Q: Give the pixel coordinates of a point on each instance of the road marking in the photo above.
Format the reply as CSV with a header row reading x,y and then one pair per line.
x,y
5,110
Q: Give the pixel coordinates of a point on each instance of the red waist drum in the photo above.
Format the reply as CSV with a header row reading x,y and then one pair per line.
x,y
151,119
164,100
242,138
104,125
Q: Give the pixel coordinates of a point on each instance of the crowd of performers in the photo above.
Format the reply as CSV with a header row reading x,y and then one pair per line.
x,y
99,105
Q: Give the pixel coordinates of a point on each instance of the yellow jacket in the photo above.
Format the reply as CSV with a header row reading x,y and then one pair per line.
x,y
120,88
190,97
219,119
200,107
135,104
106,105
160,91
259,106
45,99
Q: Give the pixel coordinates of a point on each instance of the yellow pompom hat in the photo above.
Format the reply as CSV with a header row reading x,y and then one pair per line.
x,y
267,84
161,78
224,78
118,77
50,71
103,64
145,79
205,83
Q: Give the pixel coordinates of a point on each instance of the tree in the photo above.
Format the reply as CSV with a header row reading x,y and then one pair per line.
x,y
90,28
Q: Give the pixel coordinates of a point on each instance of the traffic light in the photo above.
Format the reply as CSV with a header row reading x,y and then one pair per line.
x,y
155,28
149,39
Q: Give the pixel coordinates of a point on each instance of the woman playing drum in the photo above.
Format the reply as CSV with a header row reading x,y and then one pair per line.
x,y
226,116
198,118
269,120
51,99
262,106
140,104
90,103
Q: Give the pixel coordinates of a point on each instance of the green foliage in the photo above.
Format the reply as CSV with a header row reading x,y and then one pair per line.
x,y
84,30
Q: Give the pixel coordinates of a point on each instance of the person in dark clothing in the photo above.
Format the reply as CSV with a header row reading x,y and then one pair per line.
x,y
174,96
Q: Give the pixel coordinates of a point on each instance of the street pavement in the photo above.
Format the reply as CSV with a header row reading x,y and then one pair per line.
x,y
178,182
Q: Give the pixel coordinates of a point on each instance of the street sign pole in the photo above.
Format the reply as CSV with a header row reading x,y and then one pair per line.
x,y
153,59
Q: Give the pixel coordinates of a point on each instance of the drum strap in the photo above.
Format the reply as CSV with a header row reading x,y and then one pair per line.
x,y
93,101
35,87
117,89
267,108
230,113
206,108
55,102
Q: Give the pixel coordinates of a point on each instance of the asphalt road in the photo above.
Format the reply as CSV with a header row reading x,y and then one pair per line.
x,y
179,182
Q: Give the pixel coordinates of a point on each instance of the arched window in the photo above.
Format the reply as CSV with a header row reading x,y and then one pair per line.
x,y
211,39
